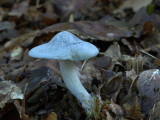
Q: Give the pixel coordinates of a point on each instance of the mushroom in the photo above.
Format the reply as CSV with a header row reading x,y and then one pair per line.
x,y
68,48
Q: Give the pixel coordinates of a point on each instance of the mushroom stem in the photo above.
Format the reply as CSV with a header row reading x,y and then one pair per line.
x,y
70,77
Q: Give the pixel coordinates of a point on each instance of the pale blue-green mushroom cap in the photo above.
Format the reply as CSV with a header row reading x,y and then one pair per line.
x,y
65,46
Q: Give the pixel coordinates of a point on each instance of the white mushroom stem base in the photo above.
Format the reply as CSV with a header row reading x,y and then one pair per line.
x,y
70,77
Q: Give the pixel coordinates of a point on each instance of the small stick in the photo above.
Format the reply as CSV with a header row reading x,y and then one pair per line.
x,y
148,54
71,18
83,64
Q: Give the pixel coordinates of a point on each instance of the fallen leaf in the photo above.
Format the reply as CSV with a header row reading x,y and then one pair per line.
x,y
52,116
36,78
128,44
155,111
135,63
142,22
19,9
19,40
133,112
147,27
157,62
97,30
6,25
106,115
9,91
113,51
103,62
116,109
16,53
49,17
112,86
70,6
90,71
108,75
7,30
134,4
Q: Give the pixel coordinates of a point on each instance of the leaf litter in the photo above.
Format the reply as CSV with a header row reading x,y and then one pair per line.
x,y
125,74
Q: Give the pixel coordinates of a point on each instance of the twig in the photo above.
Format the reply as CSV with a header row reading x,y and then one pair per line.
x,y
83,64
148,54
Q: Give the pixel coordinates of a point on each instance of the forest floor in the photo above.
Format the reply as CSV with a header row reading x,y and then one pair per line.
x,y
124,77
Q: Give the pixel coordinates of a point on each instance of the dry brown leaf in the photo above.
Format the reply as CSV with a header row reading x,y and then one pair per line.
x,y
69,6
151,43
93,30
128,44
6,25
106,115
19,9
112,111
131,73
49,17
103,62
7,30
107,75
147,27
9,91
90,71
19,40
135,63
133,112
52,116
16,53
113,51
157,62
36,78
134,4
155,112
143,23
116,109
113,86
